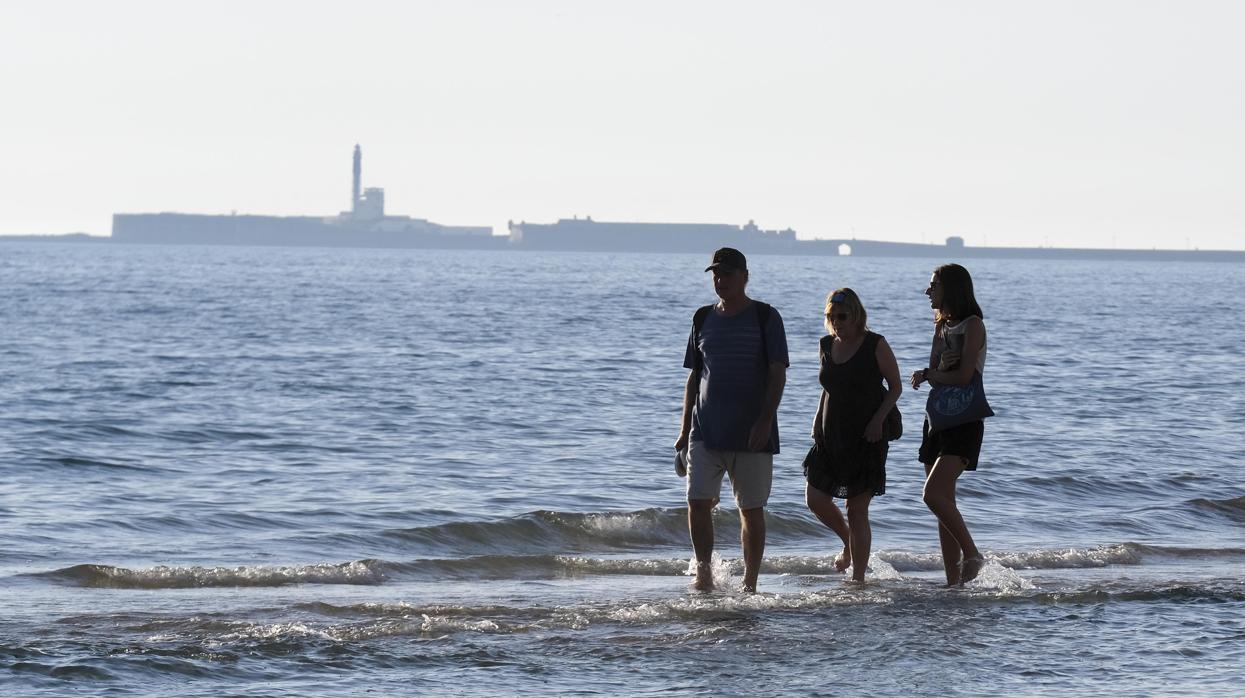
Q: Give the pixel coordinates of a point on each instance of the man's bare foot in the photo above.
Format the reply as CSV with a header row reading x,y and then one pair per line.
x,y
843,560
970,568
748,589
704,577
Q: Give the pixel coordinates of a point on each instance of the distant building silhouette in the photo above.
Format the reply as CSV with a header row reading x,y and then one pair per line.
x,y
589,235
364,225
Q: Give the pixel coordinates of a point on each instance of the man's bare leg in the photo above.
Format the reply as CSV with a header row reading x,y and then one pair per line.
x,y
752,538
700,526
823,507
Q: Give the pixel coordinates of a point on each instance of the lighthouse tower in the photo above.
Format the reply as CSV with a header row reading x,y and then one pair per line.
x,y
358,180
365,204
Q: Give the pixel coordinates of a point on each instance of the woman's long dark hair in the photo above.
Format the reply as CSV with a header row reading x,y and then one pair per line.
x,y
958,301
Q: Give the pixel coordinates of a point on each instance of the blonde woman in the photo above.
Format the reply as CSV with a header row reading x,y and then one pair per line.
x,y
848,427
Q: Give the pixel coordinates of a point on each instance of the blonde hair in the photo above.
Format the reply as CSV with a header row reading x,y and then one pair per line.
x,y
846,299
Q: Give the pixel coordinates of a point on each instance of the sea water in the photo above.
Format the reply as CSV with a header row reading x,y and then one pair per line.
x,y
259,471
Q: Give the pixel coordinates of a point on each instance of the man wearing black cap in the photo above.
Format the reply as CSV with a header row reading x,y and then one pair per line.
x,y
737,356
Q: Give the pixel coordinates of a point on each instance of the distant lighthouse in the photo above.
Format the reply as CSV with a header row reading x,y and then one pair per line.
x,y
358,177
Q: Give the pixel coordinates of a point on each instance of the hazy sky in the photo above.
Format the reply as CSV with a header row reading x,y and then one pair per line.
x,y
1112,123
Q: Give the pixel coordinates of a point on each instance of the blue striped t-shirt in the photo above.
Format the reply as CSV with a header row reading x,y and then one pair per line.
x,y
733,376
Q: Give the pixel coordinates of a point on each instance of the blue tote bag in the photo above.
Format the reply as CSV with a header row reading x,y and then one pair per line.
x,y
952,405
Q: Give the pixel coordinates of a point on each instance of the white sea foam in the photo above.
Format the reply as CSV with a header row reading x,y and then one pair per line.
x,y
622,565
1062,558
721,569
995,576
441,624
1070,558
881,570
799,564
716,604
166,577
276,632
616,522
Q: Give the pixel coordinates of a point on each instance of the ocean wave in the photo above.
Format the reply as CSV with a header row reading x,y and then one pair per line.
x,y
1072,558
85,462
370,620
542,531
1234,509
78,671
884,565
209,435
362,622
531,567
996,584
1221,591
162,577
1066,558
317,624
164,524
546,530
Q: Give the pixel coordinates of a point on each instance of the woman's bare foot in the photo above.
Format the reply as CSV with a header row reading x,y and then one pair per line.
x,y
843,560
970,568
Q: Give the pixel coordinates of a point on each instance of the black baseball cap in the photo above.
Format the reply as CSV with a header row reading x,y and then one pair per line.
x,y
728,258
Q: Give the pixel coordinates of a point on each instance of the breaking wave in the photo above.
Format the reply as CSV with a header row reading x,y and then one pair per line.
x,y
1233,509
542,531
885,564
162,577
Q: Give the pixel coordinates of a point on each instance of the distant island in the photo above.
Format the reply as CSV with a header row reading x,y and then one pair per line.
x,y
366,224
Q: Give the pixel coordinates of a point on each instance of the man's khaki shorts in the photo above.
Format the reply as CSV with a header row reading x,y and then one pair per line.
x,y
751,475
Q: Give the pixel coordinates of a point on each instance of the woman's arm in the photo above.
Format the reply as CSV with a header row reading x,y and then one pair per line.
x,y
919,376
890,373
818,436
974,343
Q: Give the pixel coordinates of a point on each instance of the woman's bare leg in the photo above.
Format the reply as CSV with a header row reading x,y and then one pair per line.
x,y
823,507
861,534
960,557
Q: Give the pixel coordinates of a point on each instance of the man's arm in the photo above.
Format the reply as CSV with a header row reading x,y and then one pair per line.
x,y
689,400
758,438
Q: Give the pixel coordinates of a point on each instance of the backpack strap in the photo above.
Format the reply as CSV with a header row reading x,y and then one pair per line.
x,y
698,320
698,324
764,310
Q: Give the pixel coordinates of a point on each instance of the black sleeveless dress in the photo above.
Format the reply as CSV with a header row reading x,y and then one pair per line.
x,y
851,464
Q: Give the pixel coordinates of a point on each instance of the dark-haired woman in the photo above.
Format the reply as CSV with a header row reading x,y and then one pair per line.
x,y
948,453
848,426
